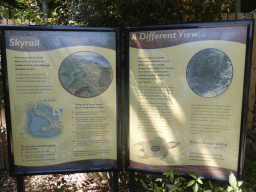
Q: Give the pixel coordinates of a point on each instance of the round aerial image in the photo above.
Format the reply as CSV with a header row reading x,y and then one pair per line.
x,y
85,74
209,72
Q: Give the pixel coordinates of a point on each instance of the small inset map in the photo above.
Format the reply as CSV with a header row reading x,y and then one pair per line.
x,y
42,121
85,74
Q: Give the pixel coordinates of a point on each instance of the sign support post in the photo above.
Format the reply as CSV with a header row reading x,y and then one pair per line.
x,y
115,181
132,181
20,184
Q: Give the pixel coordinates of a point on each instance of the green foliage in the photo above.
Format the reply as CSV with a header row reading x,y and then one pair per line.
x,y
250,168
4,7
118,13
234,184
173,182
146,12
177,183
158,186
33,12
195,183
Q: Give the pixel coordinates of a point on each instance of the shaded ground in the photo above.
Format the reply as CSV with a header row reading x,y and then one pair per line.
x,y
69,182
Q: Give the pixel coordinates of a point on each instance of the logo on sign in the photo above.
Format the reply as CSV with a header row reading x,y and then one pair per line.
x,y
155,148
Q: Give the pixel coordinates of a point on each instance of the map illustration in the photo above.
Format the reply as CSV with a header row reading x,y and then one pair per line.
x,y
209,72
85,74
42,121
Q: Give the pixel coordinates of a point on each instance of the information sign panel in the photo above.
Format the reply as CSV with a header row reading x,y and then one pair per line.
x,y
62,98
187,97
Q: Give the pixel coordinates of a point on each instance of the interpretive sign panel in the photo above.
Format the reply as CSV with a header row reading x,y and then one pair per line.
x,y
62,98
187,97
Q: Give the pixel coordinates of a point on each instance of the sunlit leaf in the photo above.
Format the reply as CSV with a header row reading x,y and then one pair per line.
x,y
199,180
195,187
191,183
192,175
232,180
159,179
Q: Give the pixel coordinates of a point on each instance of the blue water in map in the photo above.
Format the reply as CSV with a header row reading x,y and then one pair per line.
x,y
47,111
41,122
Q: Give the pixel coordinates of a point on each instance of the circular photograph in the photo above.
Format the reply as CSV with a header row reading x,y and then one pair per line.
x,y
85,74
209,72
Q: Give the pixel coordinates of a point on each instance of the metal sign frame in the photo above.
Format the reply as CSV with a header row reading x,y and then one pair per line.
x,y
169,112
60,54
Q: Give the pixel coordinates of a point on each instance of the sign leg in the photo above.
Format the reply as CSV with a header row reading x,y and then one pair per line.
x,y
20,184
115,181
132,181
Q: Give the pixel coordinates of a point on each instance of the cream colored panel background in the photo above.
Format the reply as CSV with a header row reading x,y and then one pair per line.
x,y
59,98
211,148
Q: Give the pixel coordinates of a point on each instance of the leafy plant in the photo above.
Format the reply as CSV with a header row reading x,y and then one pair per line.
x,y
195,183
234,184
153,186
175,183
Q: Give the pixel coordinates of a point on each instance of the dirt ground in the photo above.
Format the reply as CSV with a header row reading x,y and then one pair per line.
x,y
79,182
